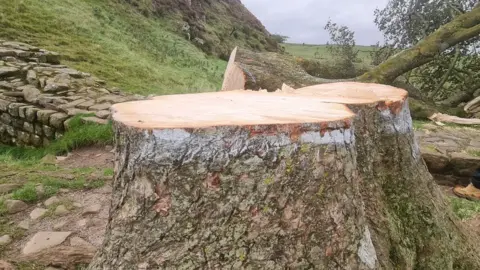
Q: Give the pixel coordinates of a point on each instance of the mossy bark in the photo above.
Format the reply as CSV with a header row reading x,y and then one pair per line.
x,y
353,195
412,224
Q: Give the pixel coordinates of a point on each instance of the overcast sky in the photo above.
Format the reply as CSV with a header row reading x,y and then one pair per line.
x,y
304,20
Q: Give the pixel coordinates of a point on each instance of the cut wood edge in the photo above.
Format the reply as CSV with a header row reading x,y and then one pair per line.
x,y
439,118
287,89
229,108
471,105
234,78
354,92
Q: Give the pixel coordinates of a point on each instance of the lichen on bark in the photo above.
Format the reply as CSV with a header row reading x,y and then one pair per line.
x,y
228,197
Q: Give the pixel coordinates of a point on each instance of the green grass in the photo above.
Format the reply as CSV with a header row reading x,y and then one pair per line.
x,y
320,52
115,42
108,172
475,153
463,208
27,193
418,124
51,186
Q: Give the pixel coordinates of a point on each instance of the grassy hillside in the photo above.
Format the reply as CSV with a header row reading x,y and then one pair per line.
x,y
115,42
320,52
219,24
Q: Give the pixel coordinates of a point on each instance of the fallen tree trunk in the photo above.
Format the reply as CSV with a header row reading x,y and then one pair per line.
x,y
269,71
275,181
266,70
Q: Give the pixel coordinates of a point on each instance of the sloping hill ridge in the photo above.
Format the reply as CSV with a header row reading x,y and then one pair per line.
x,y
221,24
140,46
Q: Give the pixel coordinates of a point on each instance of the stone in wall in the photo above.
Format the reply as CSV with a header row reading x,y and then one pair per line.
x,y
38,95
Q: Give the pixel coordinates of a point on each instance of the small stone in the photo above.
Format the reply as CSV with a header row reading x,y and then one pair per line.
x,y
22,110
32,77
44,240
53,58
73,103
75,111
44,115
85,105
79,242
30,93
72,72
59,83
5,240
112,99
49,132
100,107
77,205
37,213
58,226
36,140
103,91
51,200
8,71
6,52
13,108
24,224
15,206
9,59
103,114
31,114
6,118
61,158
94,120
49,159
82,223
57,119
27,126
92,209
40,190
6,188
61,210
4,105
6,85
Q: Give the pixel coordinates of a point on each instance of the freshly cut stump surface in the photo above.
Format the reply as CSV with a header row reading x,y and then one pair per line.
x,y
328,177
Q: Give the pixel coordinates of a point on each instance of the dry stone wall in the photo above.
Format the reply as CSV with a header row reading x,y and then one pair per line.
x,y
38,95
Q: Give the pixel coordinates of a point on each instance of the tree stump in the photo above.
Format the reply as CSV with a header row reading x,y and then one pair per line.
x,y
328,177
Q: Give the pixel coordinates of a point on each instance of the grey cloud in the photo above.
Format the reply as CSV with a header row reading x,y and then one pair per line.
x,y
303,20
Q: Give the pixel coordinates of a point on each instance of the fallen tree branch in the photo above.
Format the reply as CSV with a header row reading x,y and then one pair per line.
x,y
460,29
449,71
440,117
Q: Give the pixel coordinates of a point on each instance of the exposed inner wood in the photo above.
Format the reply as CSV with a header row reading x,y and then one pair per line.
x,y
233,79
228,108
351,92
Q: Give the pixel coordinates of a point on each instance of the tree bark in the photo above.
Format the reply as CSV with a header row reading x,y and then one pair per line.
x,y
277,181
266,70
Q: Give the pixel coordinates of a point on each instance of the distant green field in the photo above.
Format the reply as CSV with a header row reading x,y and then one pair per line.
x,y
320,52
